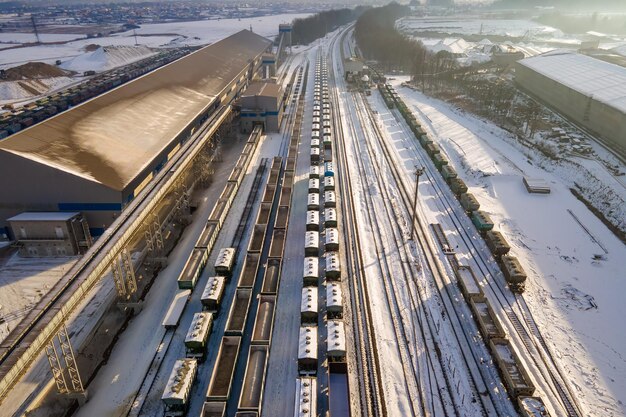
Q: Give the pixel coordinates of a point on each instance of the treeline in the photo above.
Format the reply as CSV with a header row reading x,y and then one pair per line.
x,y
378,39
314,27
439,74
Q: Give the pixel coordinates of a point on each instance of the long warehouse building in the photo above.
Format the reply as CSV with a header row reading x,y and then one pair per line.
x,y
96,157
590,92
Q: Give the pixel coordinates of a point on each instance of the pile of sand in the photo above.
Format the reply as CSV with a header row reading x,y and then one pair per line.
x,y
33,70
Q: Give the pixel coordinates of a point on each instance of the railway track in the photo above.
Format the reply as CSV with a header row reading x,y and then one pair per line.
x,y
522,321
446,405
387,273
422,376
477,380
372,398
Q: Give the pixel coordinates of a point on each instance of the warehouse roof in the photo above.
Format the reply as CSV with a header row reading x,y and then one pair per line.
x,y
112,138
604,81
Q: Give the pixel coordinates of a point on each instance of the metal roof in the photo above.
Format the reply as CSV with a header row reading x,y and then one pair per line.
x,y
113,137
603,81
47,216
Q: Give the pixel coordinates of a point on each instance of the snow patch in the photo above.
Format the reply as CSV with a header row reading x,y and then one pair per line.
x,y
107,57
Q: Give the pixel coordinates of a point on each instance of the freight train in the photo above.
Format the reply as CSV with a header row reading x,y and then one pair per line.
x,y
511,268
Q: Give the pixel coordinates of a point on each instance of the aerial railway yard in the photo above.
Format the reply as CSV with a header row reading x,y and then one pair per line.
x,y
443,262
313,289
496,277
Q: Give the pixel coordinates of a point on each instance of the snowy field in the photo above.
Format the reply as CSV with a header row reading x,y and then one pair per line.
x,y
158,35
23,281
8,39
468,26
537,38
576,298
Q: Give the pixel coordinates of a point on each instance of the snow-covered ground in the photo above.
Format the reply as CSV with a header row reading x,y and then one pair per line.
x,y
106,58
476,25
447,33
23,281
207,31
576,298
13,92
157,35
8,39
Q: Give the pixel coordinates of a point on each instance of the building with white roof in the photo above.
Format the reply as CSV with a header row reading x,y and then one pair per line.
x,y
590,92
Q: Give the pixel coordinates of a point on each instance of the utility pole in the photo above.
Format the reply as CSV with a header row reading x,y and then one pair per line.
x,y
418,173
32,19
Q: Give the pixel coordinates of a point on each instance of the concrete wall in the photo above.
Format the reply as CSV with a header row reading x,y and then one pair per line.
x,y
38,187
41,238
266,109
601,119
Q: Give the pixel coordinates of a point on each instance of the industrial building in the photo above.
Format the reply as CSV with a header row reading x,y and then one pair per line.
x,y
261,104
96,157
285,29
50,234
590,92
269,65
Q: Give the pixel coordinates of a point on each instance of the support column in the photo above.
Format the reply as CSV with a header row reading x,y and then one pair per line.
x,y
118,278
61,374
130,279
70,360
56,367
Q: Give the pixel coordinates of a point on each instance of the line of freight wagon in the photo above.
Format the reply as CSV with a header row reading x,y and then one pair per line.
x,y
219,390
514,374
176,394
513,271
313,279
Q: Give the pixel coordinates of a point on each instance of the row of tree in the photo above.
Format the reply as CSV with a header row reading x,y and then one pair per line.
x,y
314,27
379,40
440,74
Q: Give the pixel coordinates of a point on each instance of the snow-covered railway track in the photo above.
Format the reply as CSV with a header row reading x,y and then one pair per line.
x,y
441,362
515,308
385,247
372,400
476,384
148,380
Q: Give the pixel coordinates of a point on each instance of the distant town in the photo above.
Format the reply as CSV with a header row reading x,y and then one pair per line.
x,y
19,17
